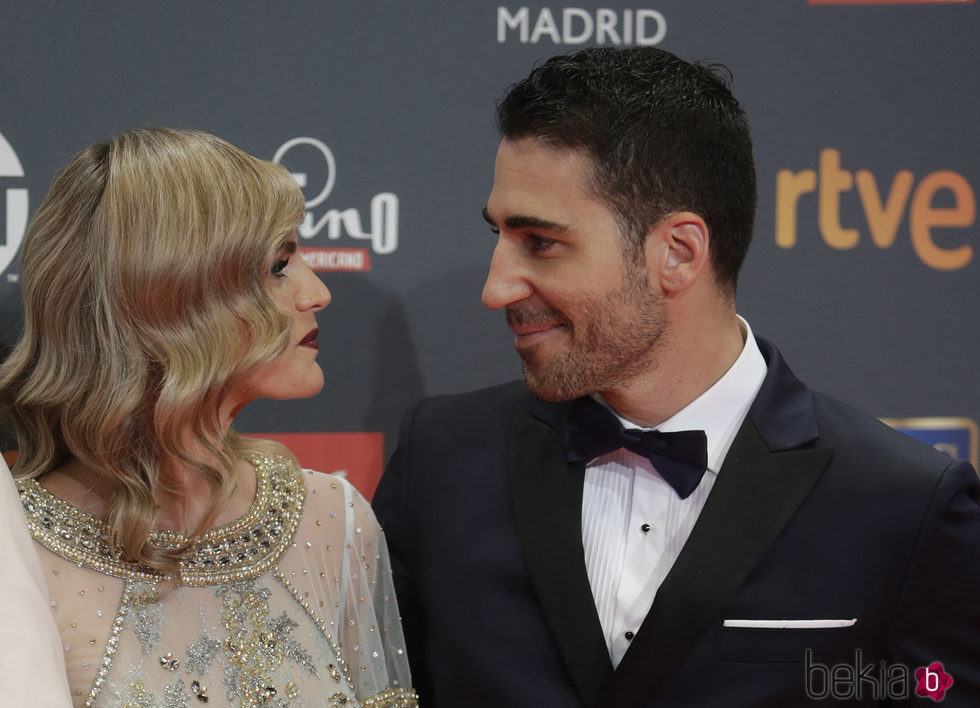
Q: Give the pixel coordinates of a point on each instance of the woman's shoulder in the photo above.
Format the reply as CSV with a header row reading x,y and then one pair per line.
x,y
334,496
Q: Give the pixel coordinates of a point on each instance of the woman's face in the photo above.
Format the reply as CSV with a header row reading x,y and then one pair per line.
x,y
295,374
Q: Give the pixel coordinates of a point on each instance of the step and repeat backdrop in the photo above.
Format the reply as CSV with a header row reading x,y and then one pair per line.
x,y
865,267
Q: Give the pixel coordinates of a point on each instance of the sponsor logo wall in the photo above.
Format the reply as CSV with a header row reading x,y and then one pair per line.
x,y
864,265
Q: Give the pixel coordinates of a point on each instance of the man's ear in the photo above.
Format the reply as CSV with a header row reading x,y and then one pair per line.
x,y
677,250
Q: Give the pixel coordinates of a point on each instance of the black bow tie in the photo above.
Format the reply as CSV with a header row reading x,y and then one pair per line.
x,y
680,458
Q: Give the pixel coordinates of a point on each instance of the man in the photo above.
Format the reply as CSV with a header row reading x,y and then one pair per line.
x,y
542,559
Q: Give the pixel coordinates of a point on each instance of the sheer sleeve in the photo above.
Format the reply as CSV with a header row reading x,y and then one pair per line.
x,y
340,566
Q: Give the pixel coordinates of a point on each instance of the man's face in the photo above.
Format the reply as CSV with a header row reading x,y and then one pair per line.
x,y
586,320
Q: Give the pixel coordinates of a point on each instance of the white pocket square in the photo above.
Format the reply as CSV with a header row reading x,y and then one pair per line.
x,y
790,624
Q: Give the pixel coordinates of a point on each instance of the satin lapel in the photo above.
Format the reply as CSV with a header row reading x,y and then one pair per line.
x,y
754,497
547,495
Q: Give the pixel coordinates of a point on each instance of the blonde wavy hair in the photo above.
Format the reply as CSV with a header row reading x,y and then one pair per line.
x,y
143,275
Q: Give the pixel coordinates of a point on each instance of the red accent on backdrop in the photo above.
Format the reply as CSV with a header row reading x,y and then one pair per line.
x,y
336,260
359,456
891,2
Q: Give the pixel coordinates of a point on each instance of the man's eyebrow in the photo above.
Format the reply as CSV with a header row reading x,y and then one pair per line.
x,y
519,221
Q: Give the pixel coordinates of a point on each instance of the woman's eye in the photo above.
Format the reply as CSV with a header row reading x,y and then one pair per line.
x,y
279,266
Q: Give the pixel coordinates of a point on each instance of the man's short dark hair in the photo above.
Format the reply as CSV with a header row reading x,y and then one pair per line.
x,y
663,134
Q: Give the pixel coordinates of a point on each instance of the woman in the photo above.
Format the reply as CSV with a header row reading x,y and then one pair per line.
x,y
163,291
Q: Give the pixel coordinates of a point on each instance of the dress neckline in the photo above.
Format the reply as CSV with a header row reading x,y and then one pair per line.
x,y
243,548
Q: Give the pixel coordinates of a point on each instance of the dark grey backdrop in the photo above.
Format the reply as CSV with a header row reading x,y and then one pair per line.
x,y
403,95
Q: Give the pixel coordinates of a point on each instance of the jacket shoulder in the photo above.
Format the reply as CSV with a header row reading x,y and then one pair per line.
x,y
862,441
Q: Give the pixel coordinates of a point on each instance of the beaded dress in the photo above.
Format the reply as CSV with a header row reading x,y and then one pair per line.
x,y
290,605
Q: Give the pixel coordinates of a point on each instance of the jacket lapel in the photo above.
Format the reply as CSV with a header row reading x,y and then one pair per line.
x,y
768,472
547,496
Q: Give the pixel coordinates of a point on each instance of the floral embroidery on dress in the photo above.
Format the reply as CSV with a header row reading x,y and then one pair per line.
x,y
149,613
257,646
201,654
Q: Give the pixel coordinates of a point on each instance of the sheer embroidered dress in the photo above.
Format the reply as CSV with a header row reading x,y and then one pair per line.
x,y
290,606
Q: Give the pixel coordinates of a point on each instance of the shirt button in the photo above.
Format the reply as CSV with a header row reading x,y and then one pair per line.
x,y
645,528
629,636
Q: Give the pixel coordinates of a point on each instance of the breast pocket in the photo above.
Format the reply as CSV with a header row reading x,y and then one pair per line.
x,y
785,645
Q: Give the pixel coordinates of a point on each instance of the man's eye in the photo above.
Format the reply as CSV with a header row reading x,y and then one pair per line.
x,y
539,244
279,266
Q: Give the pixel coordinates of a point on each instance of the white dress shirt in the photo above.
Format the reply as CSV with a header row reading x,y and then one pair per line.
x,y
634,524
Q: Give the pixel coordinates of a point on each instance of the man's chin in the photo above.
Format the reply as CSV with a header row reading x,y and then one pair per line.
x,y
546,388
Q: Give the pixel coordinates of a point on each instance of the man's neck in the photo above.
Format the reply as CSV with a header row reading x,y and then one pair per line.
x,y
687,366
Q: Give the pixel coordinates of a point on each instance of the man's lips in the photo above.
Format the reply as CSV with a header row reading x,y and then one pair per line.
x,y
528,335
531,325
310,340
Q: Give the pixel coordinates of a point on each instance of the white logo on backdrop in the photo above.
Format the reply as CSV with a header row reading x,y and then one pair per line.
x,y
382,229
575,25
15,210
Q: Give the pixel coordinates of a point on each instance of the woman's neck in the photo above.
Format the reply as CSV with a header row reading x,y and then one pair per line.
x,y
182,497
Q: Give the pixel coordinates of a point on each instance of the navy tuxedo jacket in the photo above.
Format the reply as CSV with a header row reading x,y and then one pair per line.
x,y
819,512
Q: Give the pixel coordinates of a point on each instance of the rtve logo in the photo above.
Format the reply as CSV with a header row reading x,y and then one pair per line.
x,y
13,205
574,25
941,199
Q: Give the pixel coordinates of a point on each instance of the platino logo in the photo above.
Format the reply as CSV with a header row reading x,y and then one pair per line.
x,y
311,162
13,206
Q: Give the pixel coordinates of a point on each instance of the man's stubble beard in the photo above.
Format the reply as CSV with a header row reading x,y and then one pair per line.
x,y
618,343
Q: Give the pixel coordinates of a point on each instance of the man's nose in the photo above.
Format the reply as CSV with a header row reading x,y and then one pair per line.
x,y
506,282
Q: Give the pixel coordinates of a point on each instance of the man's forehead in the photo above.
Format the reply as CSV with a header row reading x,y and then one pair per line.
x,y
534,179
537,168
534,148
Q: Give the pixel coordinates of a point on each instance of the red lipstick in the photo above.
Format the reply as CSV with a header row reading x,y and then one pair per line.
x,y
310,340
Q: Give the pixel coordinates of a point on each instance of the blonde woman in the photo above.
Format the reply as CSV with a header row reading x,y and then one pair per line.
x,y
186,565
